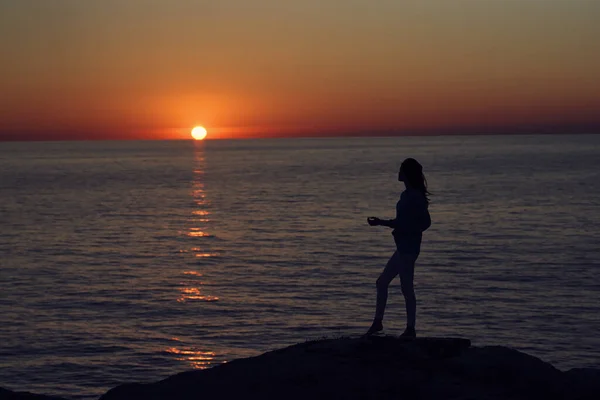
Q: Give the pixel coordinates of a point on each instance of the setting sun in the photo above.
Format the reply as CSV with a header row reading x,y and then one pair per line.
x,y
199,133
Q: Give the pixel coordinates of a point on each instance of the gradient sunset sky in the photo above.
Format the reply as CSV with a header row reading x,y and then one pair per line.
x,y
92,69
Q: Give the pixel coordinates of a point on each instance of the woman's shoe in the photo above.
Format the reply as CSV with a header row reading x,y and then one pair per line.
x,y
376,327
409,332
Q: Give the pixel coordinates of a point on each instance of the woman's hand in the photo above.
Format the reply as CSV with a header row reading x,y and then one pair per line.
x,y
374,221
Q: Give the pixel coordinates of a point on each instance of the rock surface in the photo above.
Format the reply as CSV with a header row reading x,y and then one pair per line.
x,y
10,395
373,368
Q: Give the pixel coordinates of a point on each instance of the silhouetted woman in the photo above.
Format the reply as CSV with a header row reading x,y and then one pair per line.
x,y
412,219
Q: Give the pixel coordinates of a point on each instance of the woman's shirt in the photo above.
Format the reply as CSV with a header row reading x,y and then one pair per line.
x,y
412,219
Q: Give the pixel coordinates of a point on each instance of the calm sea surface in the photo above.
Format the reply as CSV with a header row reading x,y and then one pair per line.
x,y
132,261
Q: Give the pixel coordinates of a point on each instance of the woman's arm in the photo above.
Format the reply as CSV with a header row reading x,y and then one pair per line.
x,y
374,221
401,210
390,223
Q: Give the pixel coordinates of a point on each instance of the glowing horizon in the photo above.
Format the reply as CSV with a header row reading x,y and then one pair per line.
x,y
150,69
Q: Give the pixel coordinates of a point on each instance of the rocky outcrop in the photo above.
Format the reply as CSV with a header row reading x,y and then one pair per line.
x,y
6,394
374,368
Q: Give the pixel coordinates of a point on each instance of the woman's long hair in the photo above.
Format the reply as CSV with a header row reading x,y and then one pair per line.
x,y
413,173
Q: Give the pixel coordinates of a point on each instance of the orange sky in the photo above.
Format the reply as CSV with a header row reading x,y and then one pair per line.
x,y
153,69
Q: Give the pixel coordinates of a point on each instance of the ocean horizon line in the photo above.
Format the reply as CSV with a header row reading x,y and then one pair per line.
x,y
293,137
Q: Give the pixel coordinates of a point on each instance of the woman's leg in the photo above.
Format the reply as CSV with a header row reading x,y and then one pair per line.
x,y
392,268
407,274
389,272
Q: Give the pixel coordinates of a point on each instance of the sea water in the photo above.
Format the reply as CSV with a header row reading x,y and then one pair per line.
x,y
132,261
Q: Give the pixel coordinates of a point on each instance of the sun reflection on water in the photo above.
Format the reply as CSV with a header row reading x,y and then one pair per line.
x,y
194,293
196,358
192,289
197,232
